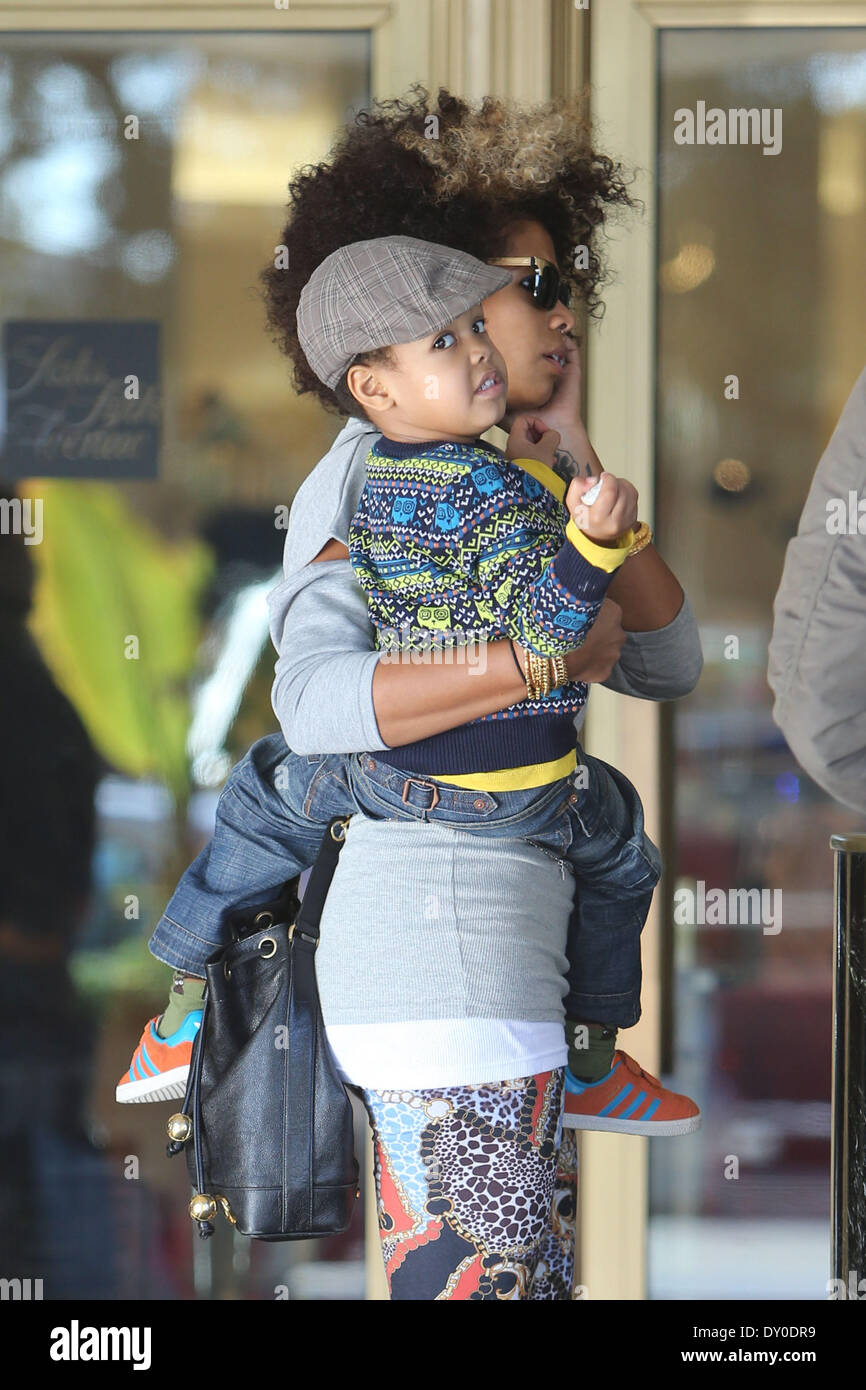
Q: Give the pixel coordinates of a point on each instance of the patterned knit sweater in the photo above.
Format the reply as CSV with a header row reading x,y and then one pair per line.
x,y
456,545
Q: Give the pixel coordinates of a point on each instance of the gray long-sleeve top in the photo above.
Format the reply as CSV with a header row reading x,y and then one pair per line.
x,y
817,654
322,691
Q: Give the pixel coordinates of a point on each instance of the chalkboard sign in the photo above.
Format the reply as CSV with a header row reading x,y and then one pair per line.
x,y
82,399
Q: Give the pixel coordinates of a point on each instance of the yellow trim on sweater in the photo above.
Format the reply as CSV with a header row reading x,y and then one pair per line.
x,y
607,558
515,779
543,475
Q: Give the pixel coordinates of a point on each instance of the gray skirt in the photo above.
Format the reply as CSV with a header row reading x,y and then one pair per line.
x,y
425,922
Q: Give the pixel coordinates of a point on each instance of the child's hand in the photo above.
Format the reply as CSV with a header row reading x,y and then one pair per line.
x,y
531,439
613,511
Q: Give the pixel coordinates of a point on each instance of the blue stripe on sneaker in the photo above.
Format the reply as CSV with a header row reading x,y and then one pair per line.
x,y
185,1033
136,1067
651,1109
145,1060
624,1114
572,1084
626,1091
577,1087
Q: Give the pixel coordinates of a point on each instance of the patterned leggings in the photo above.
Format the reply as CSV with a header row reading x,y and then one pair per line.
x,y
476,1190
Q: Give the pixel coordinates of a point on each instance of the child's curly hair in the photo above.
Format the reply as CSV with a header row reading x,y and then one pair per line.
x,y
449,172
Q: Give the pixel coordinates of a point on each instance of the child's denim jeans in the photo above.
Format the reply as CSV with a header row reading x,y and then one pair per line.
x,y
276,804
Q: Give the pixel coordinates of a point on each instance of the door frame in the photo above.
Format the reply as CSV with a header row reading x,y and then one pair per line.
x,y
517,49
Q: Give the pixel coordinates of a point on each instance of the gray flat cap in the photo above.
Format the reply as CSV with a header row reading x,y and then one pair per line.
x,y
393,289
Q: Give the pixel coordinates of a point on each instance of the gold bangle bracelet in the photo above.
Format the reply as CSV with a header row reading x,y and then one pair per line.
x,y
560,671
642,537
543,673
534,676
540,666
528,676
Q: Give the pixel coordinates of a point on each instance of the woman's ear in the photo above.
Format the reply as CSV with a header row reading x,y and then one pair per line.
x,y
369,390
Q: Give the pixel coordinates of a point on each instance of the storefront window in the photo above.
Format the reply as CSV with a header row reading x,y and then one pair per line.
x,y
142,190
761,306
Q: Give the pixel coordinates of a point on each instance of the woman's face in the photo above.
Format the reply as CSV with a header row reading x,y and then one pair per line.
x,y
526,336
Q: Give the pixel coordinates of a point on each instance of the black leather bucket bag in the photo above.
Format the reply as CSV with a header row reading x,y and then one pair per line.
x,y
268,1121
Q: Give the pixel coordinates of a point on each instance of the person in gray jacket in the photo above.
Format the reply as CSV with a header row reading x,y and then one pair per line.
x,y
817,654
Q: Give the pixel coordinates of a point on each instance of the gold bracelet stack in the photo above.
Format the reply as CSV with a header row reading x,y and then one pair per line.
x,y
560,671
642,537
543,674
533,674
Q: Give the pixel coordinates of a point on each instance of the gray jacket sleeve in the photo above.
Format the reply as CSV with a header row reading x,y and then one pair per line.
x,y
323,682
817,655
323,679
660,665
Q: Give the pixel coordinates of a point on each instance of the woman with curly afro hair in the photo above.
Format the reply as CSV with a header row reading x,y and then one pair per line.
x,y
458,983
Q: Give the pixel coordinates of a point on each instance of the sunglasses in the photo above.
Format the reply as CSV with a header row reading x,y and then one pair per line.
x,y
548,287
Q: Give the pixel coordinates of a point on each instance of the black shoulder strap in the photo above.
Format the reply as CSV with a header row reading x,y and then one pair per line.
x,y
319,881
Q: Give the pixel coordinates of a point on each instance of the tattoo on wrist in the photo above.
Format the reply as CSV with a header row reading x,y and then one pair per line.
x,y
566,466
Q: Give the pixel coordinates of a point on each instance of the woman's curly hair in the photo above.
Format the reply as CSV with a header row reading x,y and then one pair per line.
x,y
450,172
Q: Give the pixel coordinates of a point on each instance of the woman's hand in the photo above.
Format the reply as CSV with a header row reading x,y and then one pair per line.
x,y
562,411
575,456
594,661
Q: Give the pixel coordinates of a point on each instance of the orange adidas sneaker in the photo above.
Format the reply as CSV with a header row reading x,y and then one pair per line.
x,y
627,1101
160,1066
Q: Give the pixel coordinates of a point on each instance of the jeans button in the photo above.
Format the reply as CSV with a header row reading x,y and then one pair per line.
x,y
572,800
480,803
370,764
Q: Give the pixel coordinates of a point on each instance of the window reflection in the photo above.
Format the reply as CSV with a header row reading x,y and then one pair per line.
x,y
761,304
141,177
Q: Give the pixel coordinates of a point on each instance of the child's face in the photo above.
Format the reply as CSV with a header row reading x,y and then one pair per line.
x,y
450,384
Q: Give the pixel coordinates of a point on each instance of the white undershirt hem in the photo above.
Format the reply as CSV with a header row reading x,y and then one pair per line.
x,y
444,1052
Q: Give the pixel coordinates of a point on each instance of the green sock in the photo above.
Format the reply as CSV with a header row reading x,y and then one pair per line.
x,y
186,995
590,1049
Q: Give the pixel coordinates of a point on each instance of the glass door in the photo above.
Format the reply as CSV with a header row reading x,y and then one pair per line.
x,y
761,310
142,189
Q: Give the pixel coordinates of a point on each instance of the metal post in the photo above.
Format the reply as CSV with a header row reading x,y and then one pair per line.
x,y
848,1137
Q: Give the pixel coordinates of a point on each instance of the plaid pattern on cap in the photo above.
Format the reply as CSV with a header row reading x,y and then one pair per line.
x,y
396,289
